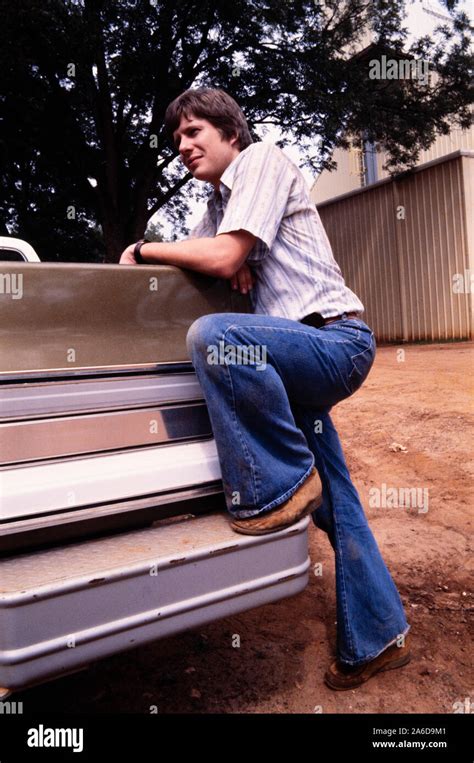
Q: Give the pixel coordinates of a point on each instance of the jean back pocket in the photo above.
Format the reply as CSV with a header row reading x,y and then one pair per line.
x,y
361,364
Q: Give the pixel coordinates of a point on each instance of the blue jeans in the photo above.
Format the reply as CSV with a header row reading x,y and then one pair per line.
x,y
269,384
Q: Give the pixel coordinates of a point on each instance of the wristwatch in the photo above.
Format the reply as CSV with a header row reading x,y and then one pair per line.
x,y
137,253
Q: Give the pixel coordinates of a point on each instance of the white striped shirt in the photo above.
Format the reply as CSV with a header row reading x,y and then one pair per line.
x,y
264,193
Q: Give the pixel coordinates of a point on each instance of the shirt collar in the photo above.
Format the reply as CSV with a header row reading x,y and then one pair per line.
x,y
227,177
226,181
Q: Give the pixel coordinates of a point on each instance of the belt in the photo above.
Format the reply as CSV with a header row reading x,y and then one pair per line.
x,y
317,320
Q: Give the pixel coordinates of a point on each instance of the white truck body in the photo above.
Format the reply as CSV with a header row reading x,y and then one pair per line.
x,y
113,532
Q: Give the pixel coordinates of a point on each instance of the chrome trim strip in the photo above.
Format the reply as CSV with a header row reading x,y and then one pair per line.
x,y
66,528
40,399
51,486
65,373
28,441
117,507
92,457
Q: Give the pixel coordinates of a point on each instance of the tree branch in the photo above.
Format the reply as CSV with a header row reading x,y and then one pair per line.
x,y
169,194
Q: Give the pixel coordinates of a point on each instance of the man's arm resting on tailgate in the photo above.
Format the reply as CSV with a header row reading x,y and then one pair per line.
x,y
220,256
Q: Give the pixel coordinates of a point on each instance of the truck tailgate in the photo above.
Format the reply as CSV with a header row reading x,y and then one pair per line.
x,y
62,608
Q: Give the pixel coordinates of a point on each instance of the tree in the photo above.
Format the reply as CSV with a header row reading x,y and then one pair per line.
x,y
85,85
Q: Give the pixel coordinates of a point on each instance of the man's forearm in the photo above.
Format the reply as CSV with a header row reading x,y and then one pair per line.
x,y
206,255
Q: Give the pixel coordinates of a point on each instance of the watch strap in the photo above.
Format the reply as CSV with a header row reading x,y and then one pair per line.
x,y
137,252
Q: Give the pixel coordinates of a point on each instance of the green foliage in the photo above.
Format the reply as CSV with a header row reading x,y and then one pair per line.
x,y
85,84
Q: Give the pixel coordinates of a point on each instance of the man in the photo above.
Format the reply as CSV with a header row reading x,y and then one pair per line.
x,y
279,452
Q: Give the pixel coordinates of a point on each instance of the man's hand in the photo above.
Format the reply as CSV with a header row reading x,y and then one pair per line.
x,y
127,257
243,279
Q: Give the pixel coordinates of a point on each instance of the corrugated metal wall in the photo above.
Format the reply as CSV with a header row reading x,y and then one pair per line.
x,y
404,244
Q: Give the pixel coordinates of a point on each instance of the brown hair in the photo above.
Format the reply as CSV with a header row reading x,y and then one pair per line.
x,y
215,105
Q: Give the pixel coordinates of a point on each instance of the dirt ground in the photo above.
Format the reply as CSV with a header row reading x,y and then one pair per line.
x,y
423,401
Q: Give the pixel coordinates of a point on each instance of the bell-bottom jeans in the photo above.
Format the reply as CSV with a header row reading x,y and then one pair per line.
x,y
269,385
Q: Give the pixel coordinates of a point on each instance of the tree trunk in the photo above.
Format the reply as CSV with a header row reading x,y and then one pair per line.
x,y
114,239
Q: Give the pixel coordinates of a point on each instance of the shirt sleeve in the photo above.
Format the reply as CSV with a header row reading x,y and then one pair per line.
x,y
259,196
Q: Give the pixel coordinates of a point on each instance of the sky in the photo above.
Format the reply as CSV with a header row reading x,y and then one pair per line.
x,y
422,17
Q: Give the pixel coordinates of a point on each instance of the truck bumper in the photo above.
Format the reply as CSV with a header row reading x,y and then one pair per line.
x,y
61,609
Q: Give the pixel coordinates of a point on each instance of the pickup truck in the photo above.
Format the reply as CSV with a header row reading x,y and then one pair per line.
x,y
113,525
16,250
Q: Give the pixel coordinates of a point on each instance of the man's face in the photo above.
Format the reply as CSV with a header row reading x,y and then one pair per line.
x,y
203,150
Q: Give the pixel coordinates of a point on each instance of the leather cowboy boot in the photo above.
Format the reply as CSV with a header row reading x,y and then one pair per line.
x,y
298,506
